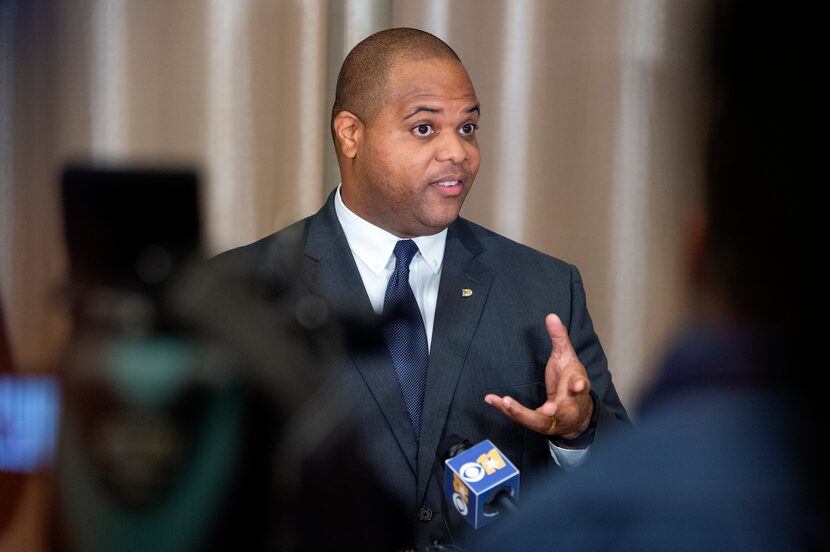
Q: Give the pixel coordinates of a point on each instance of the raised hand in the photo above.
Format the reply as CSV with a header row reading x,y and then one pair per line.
x,y
567,411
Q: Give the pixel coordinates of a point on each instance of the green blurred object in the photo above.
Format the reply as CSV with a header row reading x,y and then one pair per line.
x,y
148,375
149,371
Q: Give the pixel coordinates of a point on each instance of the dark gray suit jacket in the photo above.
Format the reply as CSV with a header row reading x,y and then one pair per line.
x,y
493,341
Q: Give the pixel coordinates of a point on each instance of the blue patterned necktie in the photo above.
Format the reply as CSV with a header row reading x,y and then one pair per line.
x,y
405,334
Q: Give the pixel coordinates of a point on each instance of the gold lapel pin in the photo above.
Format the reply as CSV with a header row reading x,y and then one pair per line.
x,y
466,292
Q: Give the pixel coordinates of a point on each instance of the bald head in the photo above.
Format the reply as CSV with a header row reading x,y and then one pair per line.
x,y
361,84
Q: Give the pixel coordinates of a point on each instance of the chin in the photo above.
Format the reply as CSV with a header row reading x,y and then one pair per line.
x,y
437,217
439,223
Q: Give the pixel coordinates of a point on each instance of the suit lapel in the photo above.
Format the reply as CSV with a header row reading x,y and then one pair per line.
x,y
456,318
333,274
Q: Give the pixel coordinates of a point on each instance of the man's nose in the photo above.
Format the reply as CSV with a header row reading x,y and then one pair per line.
x,y
451,147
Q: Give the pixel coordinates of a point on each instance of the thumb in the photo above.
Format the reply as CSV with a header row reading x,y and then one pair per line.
x,y
562,348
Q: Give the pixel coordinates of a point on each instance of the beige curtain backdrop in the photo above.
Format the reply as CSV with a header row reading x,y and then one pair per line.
x,y
592,118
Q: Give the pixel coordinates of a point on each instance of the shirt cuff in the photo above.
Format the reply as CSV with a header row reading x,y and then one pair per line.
x,y
568,459
573,452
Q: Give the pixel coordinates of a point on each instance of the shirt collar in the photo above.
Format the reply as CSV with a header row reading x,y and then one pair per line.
x,y
374,245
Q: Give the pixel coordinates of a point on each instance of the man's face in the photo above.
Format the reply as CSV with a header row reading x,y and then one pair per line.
x,y
419,156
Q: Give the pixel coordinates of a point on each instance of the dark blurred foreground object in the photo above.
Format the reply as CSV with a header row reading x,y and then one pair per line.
x,y
726,455
129,230
200,410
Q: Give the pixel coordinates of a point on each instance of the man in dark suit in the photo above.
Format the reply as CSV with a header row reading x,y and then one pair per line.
x,y
492,320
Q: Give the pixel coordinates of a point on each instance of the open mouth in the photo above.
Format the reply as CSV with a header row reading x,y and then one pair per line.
x,y
449,185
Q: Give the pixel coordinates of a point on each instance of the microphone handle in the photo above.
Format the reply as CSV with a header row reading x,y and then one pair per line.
x,y
504,504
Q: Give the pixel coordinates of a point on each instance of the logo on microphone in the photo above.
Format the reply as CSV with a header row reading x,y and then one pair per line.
x,y
471,472
472,479
491,461
486,464
461,495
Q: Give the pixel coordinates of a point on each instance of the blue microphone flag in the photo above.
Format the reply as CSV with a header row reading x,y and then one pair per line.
x,y
473,478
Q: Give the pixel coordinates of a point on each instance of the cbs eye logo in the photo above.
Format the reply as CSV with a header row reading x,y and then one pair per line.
x,y
460,496
486,464
460,504
472,472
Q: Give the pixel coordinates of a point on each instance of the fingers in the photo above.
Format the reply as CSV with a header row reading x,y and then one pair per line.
x,y
565,380
566,385
541,420
548,409
574,383
562,348
567,418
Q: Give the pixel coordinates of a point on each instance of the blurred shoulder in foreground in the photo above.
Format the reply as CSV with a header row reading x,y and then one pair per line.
x,y
726,452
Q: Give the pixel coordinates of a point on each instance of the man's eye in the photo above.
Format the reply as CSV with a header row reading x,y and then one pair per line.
x,y
468,129
423,130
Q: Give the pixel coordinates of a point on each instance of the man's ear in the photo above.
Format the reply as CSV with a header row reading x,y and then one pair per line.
x,y
348,132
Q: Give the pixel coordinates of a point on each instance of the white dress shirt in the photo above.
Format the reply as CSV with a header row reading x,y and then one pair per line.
x,y
372,250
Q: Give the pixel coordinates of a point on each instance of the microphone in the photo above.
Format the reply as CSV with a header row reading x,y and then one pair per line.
x,y
479,481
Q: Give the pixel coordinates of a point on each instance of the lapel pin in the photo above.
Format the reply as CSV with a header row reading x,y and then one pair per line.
x,y
466,292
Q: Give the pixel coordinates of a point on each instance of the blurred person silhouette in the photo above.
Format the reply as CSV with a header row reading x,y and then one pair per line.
x,y
725,454
189,390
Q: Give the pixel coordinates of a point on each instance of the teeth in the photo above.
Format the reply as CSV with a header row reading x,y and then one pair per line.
x,y
448,183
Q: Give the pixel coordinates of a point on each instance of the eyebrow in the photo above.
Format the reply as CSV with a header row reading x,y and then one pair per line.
x,y
424,108
421,109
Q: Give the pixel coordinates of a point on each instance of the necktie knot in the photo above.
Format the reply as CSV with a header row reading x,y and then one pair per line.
x,y
404,252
